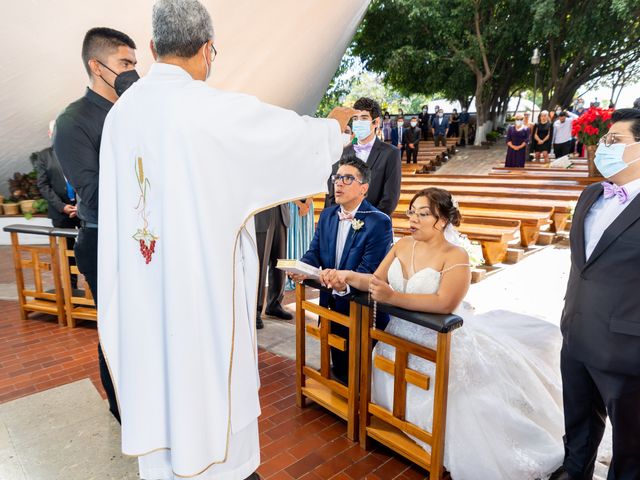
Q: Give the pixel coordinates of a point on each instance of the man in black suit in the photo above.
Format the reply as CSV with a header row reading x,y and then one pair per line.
x,y
412,140
423,121
600,359
55,189
383,159
271,233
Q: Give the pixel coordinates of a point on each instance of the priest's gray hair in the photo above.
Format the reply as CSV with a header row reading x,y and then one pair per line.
x,y
180,27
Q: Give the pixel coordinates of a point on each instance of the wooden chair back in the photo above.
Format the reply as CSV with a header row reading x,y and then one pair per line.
x,y
39,259
317,384
79,303
391,428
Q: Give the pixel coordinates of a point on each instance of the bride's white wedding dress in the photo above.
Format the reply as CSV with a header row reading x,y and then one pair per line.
x,y
504,415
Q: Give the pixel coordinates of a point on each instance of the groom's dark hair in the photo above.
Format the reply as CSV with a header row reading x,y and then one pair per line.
x,y
629,115
349,158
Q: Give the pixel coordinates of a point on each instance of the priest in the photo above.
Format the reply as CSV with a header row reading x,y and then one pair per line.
x,y
180,181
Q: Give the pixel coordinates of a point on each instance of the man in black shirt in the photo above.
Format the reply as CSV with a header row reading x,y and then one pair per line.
x,y
106,54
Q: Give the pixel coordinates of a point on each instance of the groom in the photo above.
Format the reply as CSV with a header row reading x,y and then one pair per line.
x,y
600,359
352,235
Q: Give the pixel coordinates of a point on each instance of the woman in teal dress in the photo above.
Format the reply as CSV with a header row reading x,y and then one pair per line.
x,y
300,232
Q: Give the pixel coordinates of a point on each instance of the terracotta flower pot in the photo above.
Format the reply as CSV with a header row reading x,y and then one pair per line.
x,y
11,208
27,206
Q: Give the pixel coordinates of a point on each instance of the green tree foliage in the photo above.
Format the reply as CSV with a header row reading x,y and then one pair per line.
x,y
460,48
582,41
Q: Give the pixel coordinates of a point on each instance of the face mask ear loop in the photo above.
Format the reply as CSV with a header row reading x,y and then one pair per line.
x,y
100,76
205,62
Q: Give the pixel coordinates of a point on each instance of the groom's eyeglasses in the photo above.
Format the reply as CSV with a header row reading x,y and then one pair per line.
x,y
345,179
421,215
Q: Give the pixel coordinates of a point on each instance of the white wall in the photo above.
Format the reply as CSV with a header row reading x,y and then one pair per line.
x,y
283,51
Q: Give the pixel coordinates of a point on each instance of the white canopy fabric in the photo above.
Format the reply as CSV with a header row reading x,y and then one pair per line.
x,y
283,51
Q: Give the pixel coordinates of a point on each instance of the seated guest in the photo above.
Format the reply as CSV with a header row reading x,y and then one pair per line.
x,y
352,235
440,127
383,159
412,140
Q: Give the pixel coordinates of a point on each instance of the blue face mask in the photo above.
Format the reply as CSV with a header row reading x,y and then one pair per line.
x,y
609,159
361,129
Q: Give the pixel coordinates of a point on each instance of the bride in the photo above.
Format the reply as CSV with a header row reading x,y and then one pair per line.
x,y
505,418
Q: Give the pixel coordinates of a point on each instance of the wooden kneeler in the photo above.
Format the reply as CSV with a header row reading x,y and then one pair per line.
x,y
79,305
391,428
317,385
38,259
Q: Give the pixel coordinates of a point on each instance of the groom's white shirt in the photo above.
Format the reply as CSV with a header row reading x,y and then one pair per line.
x,y
178,332
602,214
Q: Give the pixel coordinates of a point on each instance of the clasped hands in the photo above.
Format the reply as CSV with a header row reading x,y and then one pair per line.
x,y
337,280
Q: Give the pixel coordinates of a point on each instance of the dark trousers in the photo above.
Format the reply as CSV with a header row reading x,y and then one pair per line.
x,y
412,154
439,140
589,396
562,149
272,245
86,251
69,223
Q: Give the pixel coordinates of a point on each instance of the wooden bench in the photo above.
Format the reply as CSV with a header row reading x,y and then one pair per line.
x,y
436,180
497,191
78,304
317,385
38,259
391,427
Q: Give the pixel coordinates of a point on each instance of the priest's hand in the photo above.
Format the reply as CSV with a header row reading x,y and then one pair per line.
x,y
342,115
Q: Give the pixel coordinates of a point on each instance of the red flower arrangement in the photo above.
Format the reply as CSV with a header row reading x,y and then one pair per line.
x,y
592,125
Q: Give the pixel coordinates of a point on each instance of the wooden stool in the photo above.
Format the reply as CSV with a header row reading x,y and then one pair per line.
x,y
318,385
391,428
37,299
78,304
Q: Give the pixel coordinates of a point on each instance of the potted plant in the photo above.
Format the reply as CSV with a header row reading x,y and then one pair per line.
x,y
24,190
589,128
10,207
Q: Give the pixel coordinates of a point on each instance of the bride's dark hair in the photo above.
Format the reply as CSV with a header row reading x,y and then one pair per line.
x,y
440,204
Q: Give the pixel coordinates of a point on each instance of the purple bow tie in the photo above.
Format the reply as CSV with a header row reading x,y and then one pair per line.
x,y
612,190
363,148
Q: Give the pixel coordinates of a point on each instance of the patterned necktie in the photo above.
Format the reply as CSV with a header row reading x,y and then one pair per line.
x,y
612,190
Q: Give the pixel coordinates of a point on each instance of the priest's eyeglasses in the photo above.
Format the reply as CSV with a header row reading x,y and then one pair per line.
x,y
421,215
346,179
214,53
611,138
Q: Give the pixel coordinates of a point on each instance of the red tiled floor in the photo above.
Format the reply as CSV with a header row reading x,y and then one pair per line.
x,y
310,443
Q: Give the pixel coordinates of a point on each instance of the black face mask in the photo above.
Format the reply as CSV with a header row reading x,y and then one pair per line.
x,y
123,80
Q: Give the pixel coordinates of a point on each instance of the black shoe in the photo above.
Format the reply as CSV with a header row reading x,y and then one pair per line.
x,y
259,322
279,312
254,476
560,474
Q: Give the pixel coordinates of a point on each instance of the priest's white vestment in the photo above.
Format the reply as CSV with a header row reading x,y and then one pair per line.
x,y
183,167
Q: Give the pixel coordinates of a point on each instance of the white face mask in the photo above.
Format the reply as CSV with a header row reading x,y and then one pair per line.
x,y
609,159
413,124
518,122
400,124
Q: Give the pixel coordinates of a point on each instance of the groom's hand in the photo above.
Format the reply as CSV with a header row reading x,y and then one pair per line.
x,y
297,278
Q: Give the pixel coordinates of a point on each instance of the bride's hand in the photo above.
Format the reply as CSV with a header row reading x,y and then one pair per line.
x,y
337,279
381,291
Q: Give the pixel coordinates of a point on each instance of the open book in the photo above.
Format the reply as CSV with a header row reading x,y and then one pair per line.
x,y
299,268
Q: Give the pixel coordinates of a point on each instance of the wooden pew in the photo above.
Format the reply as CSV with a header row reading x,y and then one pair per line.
x,y
317,385
391,427
436,180
510,192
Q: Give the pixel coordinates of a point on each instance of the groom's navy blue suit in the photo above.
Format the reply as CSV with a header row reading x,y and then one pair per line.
x,y
363,251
